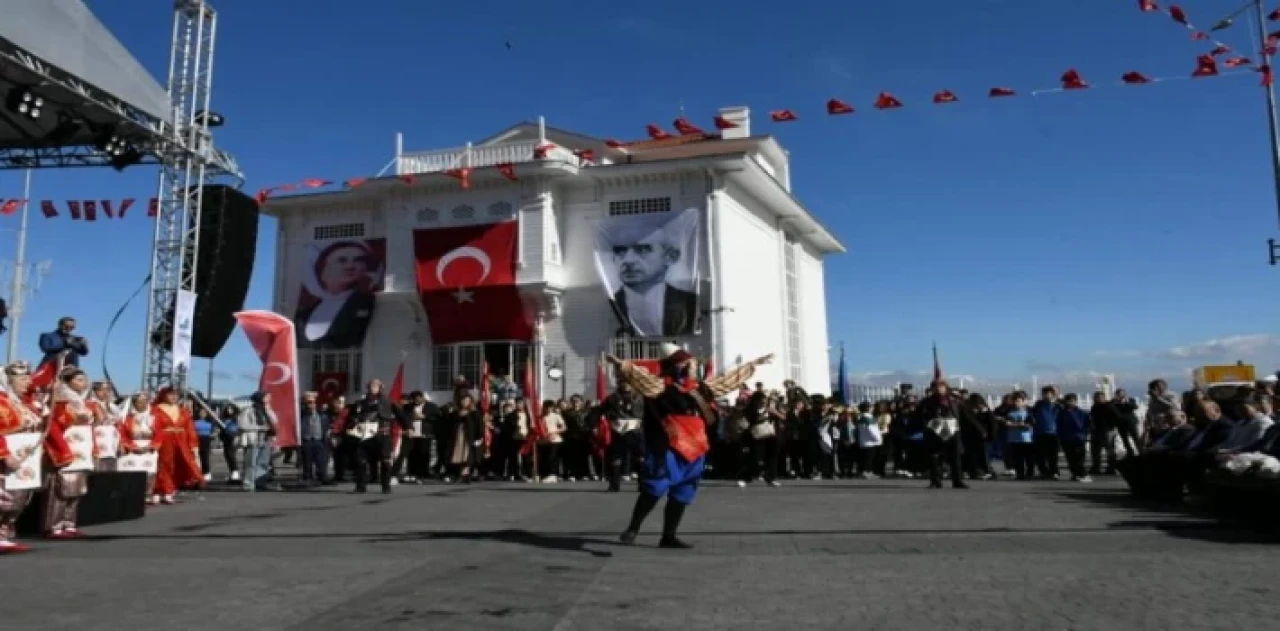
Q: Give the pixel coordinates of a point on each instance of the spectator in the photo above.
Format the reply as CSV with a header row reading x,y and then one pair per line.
x,y
62,342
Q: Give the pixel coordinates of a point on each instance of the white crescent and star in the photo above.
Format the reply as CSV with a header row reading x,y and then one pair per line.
x,y
464,252
285,373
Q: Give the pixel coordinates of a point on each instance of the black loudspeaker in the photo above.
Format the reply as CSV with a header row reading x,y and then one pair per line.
x,y
224,264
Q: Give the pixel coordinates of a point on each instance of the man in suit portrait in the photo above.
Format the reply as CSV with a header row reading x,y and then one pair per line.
x,y
339,296
647,304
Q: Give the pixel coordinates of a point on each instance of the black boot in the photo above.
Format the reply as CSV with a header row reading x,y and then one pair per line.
x,y
671,517
644,505
615,476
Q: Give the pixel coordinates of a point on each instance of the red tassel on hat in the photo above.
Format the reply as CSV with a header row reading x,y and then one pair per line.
x,y
507,170
355,181
783,116
686,128
1206,66
1071,80
723,123
999,92
887,101
10,207
1177,14
656,133
1134,78
945,96
1236,62
48,209
463,175
836,106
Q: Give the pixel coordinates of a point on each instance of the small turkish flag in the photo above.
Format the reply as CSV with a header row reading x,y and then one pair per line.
x,y
1197,36
10,207
315,183
1236,62
685,127
1219,50
945,96
1147,6
153,207
723,123
355,181
656,132
90,210
540,151
887,101
1274,15
125,204
48,209
329,385
783,116
74,208
507,170
586,155
1268,77
463,175
836,106
615,144
1177,14
263,194
1071,80
407,178
999,92
1134,78
1206,66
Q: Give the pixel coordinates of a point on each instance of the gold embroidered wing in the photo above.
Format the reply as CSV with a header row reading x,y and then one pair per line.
x,y
729,382
647,384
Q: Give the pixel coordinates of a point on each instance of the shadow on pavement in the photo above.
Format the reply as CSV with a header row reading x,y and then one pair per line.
x,y
1194,521
564,542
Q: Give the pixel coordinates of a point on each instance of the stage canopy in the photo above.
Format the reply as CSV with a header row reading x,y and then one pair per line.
x,y
53,47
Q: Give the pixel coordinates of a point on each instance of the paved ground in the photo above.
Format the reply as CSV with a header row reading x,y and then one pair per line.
x,y
811,555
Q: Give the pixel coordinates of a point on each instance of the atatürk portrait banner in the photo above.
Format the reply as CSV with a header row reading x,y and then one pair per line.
x,y
648,264
337,297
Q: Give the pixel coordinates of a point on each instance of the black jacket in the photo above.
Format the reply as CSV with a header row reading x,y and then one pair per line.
x,y
679,312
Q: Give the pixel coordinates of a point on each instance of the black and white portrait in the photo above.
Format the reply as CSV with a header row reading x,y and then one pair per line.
x,y
339,287
649,266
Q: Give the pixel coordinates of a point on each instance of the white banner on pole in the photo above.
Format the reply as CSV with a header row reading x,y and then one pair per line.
x,y
184,313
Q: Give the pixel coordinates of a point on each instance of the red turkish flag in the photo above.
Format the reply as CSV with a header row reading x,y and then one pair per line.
x,y
1071,80
1147,6
330,385
1177,14
74,207
945,96
537,428
10,207
1134,78
463,175
125,204
540,151
1206,66
407,178
48,209
783,116
887,101
999,92
723,123
507,170
153,207
272,337
397,385
355,181
1198,36
1236,62
656,133
1219,50
615,144
315,183
90,210
466,279
586,155
1268,77
686,128
836,106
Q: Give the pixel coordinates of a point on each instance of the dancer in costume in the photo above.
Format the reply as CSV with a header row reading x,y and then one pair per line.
x,y
66,484
15,418
677,411
137,437
178,463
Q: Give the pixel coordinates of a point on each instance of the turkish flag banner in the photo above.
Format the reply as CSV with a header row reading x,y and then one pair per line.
x,y
330,385
272,338
467,281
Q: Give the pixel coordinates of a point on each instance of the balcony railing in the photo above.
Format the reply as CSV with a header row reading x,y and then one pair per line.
x,y
477,157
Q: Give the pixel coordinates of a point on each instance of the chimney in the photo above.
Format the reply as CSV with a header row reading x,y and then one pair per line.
x,y
739,115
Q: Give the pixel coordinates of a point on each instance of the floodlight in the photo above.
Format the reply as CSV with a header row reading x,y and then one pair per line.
x,y
23,102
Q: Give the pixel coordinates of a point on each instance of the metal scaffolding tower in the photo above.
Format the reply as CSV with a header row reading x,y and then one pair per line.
x,y
186,159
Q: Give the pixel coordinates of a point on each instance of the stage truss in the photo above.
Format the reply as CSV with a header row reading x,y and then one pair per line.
x,y
186,159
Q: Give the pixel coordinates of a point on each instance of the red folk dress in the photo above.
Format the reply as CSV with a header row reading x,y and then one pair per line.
x,y
175,440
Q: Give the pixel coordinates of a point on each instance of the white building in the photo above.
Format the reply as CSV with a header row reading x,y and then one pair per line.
x,y
760,254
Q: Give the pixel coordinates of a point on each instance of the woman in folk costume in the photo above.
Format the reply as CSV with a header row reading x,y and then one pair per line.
x,y
138,436
106,418
66,487
15,418
677,411
177,466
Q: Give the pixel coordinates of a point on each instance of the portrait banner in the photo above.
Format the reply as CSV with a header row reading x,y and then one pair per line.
x,y
648,265
26,448
340,280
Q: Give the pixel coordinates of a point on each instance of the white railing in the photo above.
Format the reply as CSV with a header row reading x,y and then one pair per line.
x,y
477,157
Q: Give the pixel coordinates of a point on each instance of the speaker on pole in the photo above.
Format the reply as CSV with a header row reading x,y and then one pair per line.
x,y
224,265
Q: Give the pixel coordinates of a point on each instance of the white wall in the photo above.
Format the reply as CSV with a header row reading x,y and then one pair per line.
x,y
813,322
751,278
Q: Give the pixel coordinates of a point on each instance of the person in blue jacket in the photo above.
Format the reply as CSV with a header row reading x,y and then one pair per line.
x,y
1073,432
1044,424
63,342
1016,420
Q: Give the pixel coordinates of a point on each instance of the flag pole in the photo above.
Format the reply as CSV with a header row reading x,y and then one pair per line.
x,y
1260,14
19,273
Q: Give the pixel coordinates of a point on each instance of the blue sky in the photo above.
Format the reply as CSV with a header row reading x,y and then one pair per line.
x,y
1119,228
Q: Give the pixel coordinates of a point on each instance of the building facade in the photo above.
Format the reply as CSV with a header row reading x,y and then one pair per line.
x,y
500,252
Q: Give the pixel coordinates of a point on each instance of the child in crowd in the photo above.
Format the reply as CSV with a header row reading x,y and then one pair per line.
x,y
1017,423
869,441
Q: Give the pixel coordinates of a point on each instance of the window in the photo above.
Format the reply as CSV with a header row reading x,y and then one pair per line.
x,y
638,347
500,209
427,215
347,361
639,206
794,355
469,359
339,231
464,212
442,368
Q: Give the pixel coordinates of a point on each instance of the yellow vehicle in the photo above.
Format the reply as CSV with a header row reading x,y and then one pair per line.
x,y
1223,382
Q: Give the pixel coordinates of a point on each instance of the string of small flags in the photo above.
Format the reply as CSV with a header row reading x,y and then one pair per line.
x,y
81,210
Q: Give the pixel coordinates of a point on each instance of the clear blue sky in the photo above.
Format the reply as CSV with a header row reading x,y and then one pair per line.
x,y
1090,230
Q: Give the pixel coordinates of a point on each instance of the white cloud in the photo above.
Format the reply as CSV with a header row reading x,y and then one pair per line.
x,y
1224,349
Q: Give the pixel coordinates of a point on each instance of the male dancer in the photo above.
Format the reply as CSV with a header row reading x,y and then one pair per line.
x,y
372,417
677,411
